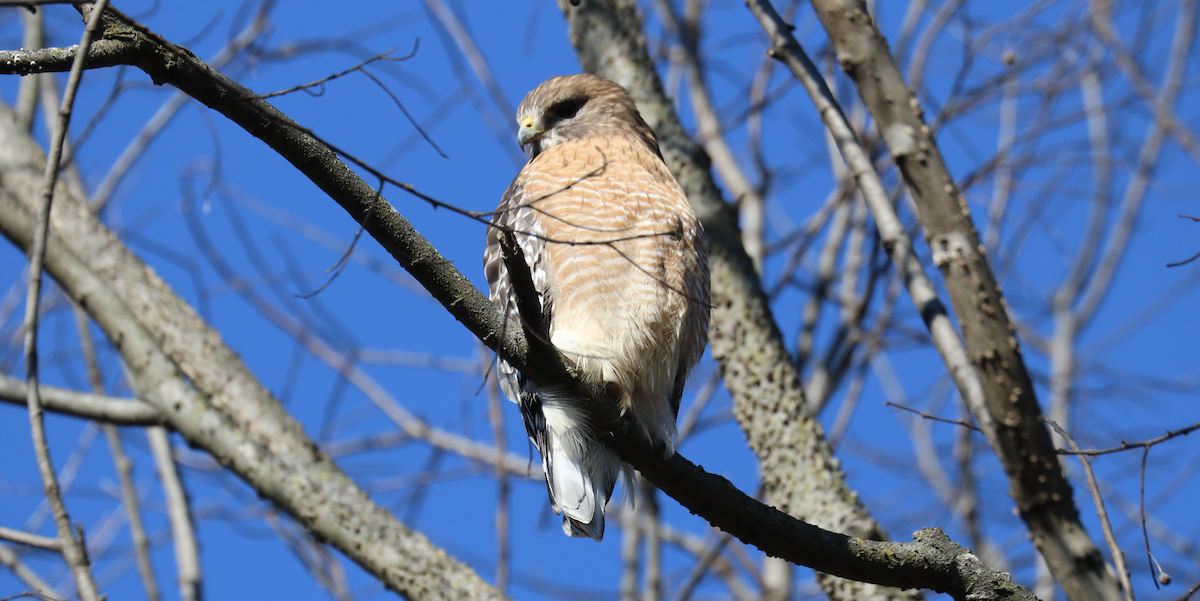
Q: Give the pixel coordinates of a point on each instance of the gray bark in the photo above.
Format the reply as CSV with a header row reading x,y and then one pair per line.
x,y
180,366
204,392
800,474
1044,497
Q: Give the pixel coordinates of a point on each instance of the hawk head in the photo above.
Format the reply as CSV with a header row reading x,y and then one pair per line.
x,y
571,107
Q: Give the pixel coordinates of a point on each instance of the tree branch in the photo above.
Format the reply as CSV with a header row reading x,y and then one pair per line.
x,y
131,412
33,540
72,548
1044,497
203,391
183,529
799,472
235,431
121,463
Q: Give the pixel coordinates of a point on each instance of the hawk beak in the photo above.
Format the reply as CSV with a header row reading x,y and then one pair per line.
x,y
528,132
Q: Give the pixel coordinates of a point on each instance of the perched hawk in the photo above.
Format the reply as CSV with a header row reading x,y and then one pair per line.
x,y
619,261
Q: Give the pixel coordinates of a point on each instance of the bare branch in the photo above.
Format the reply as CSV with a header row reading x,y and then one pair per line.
x,y
894,238
388,227
631,544
10,560
1042,493
27,93
103,191
183,531
503,486
1125,446
1147,160
122,464
957,422
125,412
708,132
72,548
1164,109
1105,524
33,540
265,447
478,62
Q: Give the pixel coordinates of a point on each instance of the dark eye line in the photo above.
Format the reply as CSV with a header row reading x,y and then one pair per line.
x,y
567,108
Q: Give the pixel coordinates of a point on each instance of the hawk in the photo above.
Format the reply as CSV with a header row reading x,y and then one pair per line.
x,y
620,265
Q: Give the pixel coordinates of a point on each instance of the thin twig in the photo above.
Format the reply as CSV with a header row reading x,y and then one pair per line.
x,y
10,560
701,567
460,37
1193,257
957,422
137,147
1185,261
894,237
183,532
1189,593
1153,563
496,417
73,550
1105,524
124,468
337,268
1126,446
320,83
361,68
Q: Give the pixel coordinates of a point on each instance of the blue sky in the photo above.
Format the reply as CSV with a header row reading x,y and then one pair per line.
x,y
1137,386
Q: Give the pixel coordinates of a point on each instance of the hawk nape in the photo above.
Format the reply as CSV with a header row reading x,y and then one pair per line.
x,y
619,262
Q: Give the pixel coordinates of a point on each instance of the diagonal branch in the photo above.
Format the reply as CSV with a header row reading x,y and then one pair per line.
x,y
893,236
71,546
1044,497
121,463
206,419
204,391
799,472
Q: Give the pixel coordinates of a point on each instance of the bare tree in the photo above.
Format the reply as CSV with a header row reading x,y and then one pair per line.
x,y
848,189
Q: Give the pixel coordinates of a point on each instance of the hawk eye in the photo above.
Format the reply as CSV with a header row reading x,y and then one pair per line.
x,y
566,109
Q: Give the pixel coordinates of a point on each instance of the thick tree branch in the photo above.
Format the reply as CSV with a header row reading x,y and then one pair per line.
x,y
800,474
255,438
1044,497
893,236
203,391
104,53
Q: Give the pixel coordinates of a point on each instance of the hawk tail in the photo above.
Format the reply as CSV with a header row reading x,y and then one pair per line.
x,y
580,471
